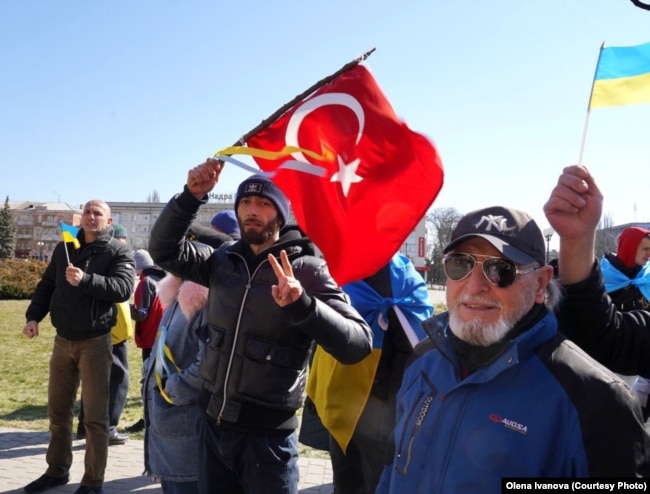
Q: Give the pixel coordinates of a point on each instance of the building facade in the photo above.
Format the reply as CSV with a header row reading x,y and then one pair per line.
x,y
38,230
37,227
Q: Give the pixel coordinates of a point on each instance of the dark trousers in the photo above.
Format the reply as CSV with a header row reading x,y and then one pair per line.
x,y
357,471
88,361
235,462
118,387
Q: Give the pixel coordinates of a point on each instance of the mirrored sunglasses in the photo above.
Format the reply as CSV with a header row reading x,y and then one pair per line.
x,y
499,271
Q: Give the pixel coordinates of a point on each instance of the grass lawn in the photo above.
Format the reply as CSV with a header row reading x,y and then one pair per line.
x,y
24,373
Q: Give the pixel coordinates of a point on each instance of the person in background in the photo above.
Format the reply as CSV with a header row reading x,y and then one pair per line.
x,y
626,274
496,391
270,298
226,222
172,383
79,289
146,310
357,402
171,387
119,380
618,339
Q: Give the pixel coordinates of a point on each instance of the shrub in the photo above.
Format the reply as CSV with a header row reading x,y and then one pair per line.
x,y
19,277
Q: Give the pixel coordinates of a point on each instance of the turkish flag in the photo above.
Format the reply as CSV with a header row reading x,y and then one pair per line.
x,y
371,182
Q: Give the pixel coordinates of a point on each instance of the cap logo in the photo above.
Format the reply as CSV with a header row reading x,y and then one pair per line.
x,y
490,221
253,188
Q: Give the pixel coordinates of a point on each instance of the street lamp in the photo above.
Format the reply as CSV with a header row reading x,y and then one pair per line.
x,y
40,250
548,234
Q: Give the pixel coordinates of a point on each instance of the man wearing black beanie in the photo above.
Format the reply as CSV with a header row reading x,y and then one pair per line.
x,y
270,298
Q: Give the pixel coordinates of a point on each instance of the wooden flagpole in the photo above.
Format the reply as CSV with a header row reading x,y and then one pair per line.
x,y
278,113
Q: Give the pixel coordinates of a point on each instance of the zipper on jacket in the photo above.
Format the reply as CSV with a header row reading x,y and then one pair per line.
x,y
234,343
422,413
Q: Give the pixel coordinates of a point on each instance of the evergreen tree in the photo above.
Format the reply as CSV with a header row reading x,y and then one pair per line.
x,y
7,232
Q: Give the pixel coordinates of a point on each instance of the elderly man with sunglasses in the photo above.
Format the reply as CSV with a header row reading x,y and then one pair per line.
x,y
496,392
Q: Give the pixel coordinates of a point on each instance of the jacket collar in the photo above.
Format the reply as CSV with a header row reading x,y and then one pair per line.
x,y
514,350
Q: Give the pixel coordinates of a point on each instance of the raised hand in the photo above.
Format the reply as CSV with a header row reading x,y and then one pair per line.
x,y
574,210
288,289
576,203
202,178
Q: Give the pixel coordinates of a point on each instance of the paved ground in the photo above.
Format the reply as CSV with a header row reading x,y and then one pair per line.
x,y
22,459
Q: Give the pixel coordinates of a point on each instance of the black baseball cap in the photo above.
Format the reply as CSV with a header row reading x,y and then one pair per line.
x,y
513,233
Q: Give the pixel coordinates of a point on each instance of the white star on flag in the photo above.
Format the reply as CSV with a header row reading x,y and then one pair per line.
x,y
347,174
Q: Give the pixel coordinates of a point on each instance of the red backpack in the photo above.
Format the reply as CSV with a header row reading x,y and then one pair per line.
x,y
147,321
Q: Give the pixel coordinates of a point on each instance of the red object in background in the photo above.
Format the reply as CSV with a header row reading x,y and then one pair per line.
x,y
378,177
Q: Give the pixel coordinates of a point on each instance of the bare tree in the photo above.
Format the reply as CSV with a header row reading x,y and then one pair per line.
x,y
153,197
607,221
605,240
440,222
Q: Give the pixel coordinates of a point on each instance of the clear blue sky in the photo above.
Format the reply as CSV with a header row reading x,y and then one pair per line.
x,y
116,99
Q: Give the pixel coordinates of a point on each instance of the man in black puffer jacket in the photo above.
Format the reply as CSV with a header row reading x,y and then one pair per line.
x,y
269,299
80,288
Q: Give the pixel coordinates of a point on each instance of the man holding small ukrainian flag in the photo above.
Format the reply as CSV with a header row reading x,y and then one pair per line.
x,y
80,289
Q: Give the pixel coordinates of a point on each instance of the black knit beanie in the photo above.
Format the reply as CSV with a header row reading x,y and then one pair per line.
x,y
259,185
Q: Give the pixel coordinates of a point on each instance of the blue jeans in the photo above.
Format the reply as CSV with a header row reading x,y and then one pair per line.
x,y
72,361
169,487
234,462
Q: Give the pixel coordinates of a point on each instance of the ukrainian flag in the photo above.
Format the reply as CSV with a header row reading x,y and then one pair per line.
x,y
340,392
622,76
69,234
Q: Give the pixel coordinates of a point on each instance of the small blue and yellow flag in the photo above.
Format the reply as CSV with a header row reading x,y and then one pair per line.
x,y
622,76
69,234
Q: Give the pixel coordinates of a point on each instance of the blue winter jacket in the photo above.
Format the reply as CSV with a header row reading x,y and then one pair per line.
x,y
541,408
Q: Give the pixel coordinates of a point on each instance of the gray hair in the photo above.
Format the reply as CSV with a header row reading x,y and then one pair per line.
x,y
554,294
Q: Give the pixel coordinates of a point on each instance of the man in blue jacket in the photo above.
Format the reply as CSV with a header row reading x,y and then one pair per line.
x,y
80,288
496,391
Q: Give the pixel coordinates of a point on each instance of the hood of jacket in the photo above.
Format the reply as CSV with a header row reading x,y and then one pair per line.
x,y
191,296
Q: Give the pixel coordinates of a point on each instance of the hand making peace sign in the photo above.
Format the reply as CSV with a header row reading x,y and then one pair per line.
x,y
288,289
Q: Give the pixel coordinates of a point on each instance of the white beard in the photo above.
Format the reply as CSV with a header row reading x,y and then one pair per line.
x,y
478,333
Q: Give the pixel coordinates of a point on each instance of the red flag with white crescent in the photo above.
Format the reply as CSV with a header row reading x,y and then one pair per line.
x,y
367,181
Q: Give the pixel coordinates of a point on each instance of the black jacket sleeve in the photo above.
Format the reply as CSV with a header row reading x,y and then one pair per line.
x,y
168,243
619,340
40,302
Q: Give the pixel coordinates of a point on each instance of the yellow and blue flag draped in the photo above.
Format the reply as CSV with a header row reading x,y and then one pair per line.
x,y
163,358
622,76
340,392
69,234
